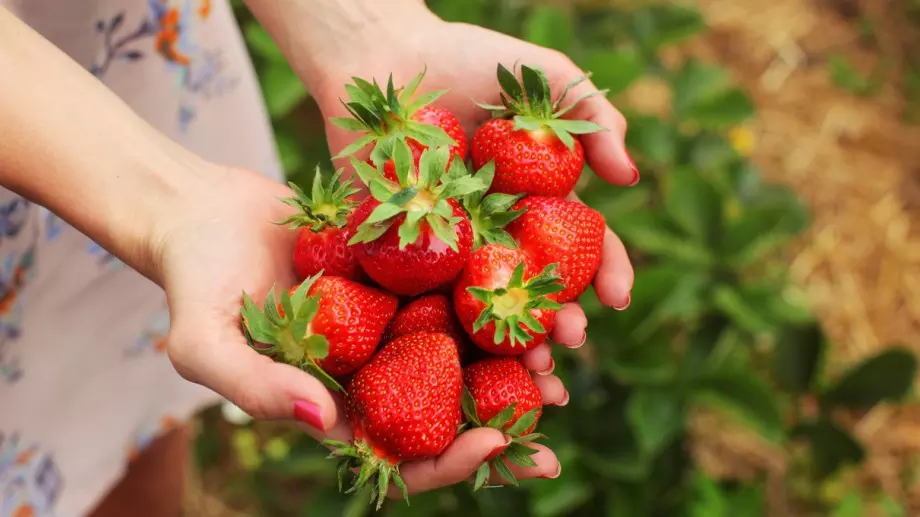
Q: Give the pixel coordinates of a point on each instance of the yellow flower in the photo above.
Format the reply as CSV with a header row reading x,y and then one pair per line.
x,y
742,140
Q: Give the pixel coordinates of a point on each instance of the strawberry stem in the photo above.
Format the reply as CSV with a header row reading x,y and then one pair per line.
x,y
421,195
490,214
529,103
327,206
360,455
509,307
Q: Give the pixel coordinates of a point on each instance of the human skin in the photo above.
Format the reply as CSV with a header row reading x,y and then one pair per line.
x,y
171,215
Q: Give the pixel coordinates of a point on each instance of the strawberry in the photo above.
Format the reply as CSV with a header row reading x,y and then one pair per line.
x,y
404,405
328,326
412,236
398,115
536,152
503,303
321,218
431,313
500,393
571,234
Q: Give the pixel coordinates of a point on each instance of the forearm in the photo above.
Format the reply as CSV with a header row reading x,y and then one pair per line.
x,y
70,144
333,39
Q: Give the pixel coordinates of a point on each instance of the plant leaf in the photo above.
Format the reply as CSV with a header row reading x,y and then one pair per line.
x,y
657,416
888,375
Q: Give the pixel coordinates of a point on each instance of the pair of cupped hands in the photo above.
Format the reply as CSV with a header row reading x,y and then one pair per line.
x,y
224,243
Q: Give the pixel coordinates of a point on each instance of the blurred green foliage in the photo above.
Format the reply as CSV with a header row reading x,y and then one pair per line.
x,y
714,321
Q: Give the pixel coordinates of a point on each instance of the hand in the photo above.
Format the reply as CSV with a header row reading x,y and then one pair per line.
x,y
220,242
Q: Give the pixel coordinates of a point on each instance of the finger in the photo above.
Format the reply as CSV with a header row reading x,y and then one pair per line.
x,y
547,466
209,349
614,279
571,326
539,359
605,151
454,465
554,392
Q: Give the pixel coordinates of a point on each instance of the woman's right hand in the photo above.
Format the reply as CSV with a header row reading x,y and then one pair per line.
x,y
220,241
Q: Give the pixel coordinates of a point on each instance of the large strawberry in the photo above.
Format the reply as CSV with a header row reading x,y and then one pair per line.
x,y
504,302
501,394
404,405
412,236
536,151
321,219
329,326
398,115
430,313
556,231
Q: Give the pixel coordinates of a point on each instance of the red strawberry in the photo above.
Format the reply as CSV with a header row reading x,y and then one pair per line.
x,y
503,303
404,405
501,394
398,115
571,234
534,149
329,326
431,313
413,236
322,241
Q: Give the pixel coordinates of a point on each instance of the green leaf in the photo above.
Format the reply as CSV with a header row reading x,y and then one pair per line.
x,y
535,85
694,204
262,43
383,212
523,423
886,376
509,83
695,83
317,346
850,506
722,111
797,357
651,234
763,226
653,139
501,418
613,69
650,363
657,25
708,500
745,395
560,497
831,446
657,416
282,89
733,304
549,26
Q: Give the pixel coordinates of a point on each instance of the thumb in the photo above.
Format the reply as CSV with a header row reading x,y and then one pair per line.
x,y
211,351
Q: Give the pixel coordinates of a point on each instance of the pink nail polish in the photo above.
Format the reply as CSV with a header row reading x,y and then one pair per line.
x,y
552,366
626,305
498,450
565,400
309,413
635,170
555,474
584,339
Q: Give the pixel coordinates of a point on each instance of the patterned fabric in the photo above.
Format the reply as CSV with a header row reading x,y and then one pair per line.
x,y
85,384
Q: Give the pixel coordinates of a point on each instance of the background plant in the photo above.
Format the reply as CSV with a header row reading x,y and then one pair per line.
x,y
714,321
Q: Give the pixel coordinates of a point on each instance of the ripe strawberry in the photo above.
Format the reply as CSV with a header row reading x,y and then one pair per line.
x,y
411,237
534,149
553,230
503,303
322,241
328,326
404,405
397,115
501,394
431,313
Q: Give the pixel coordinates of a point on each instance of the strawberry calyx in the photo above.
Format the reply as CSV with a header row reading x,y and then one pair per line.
x,y
421,195
387,117
518,452
281,328
509,307
327,206
489,214
530,104
371,468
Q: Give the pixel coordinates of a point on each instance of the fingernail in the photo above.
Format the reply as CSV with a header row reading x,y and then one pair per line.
x,y
552,366
635,170
625,305
309,413
500,449
565,399
555,474
584,339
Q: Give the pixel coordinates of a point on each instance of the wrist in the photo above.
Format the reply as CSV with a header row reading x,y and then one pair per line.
x,y
329,41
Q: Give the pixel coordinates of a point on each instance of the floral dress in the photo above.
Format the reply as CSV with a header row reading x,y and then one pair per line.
x,y
85,384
